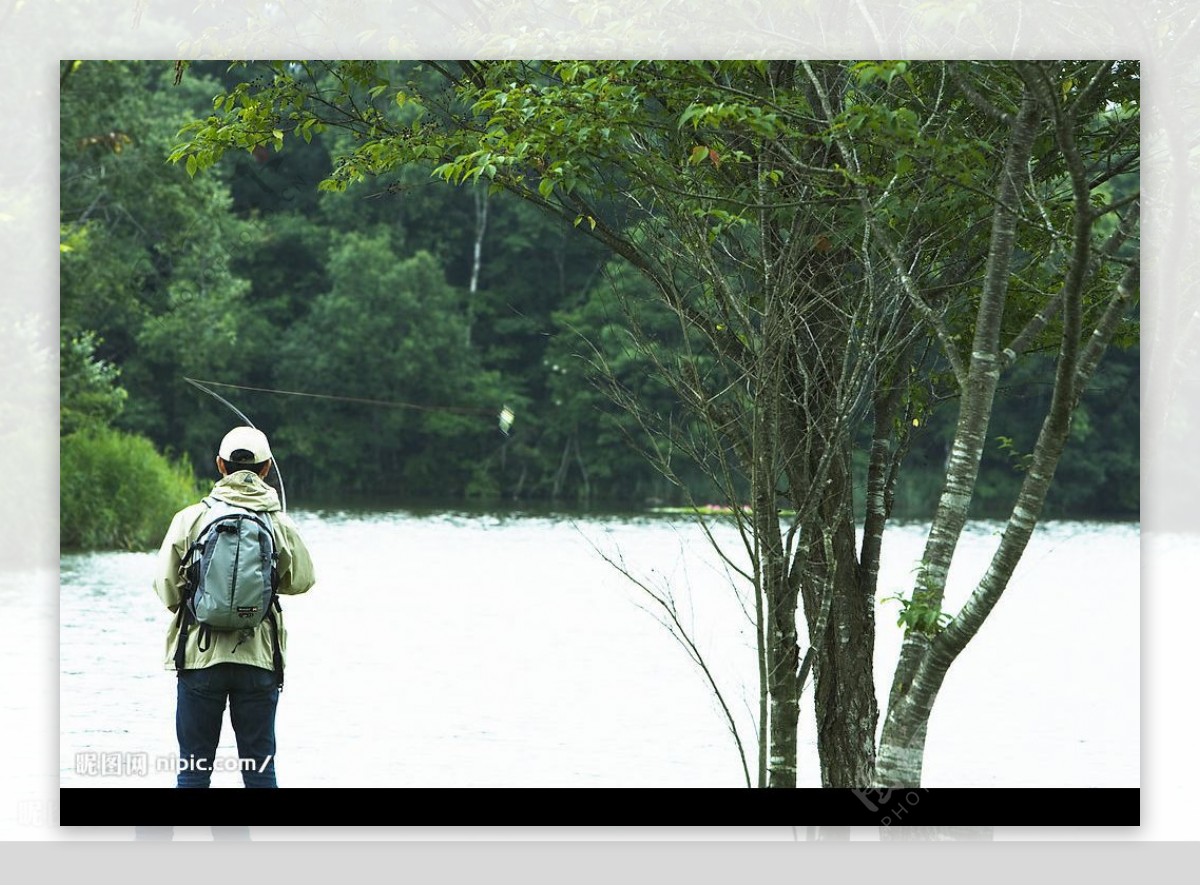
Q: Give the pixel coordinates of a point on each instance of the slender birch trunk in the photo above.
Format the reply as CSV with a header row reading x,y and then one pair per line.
x,y
927,656
481,216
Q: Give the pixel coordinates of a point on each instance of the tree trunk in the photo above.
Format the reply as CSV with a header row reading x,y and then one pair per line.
x,y
843,671
481,213
783,665
782,641
923,661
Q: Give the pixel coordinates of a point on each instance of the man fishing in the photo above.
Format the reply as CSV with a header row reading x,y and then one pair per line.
x,y
222,565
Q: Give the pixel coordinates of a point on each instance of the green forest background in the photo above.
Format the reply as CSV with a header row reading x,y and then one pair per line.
x,y
450,300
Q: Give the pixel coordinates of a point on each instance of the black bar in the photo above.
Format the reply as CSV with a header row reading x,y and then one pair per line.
x,y
601,807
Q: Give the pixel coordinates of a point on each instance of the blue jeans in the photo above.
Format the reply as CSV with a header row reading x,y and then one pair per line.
x,y
253,694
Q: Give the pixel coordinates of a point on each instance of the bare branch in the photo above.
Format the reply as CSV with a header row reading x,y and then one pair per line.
x,y
669,618
976,99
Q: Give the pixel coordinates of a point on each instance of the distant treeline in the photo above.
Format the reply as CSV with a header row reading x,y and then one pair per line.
x,y
447,303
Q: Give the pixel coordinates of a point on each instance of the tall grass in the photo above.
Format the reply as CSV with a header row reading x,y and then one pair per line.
x,y
117,491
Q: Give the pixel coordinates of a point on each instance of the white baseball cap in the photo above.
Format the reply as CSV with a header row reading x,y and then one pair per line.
x,y
240,441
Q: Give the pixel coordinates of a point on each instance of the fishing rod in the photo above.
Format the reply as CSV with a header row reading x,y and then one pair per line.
x,y
243,417
506,417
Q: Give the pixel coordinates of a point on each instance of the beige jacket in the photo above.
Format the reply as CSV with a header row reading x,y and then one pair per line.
x,y
296,576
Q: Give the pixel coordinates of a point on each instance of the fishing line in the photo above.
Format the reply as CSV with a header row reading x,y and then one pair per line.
x,y
505,415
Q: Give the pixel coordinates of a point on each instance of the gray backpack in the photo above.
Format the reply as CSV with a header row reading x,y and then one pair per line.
x,y
231,571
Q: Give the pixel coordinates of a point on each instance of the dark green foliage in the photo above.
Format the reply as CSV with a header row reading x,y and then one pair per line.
x,y
390,329
1100,470
594,368
253,274
117,491
88,392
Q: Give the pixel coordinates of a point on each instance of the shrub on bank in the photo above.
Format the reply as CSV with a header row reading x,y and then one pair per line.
x,y
117,491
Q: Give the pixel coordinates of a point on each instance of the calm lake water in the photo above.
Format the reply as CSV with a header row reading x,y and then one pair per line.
x,y
475,650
